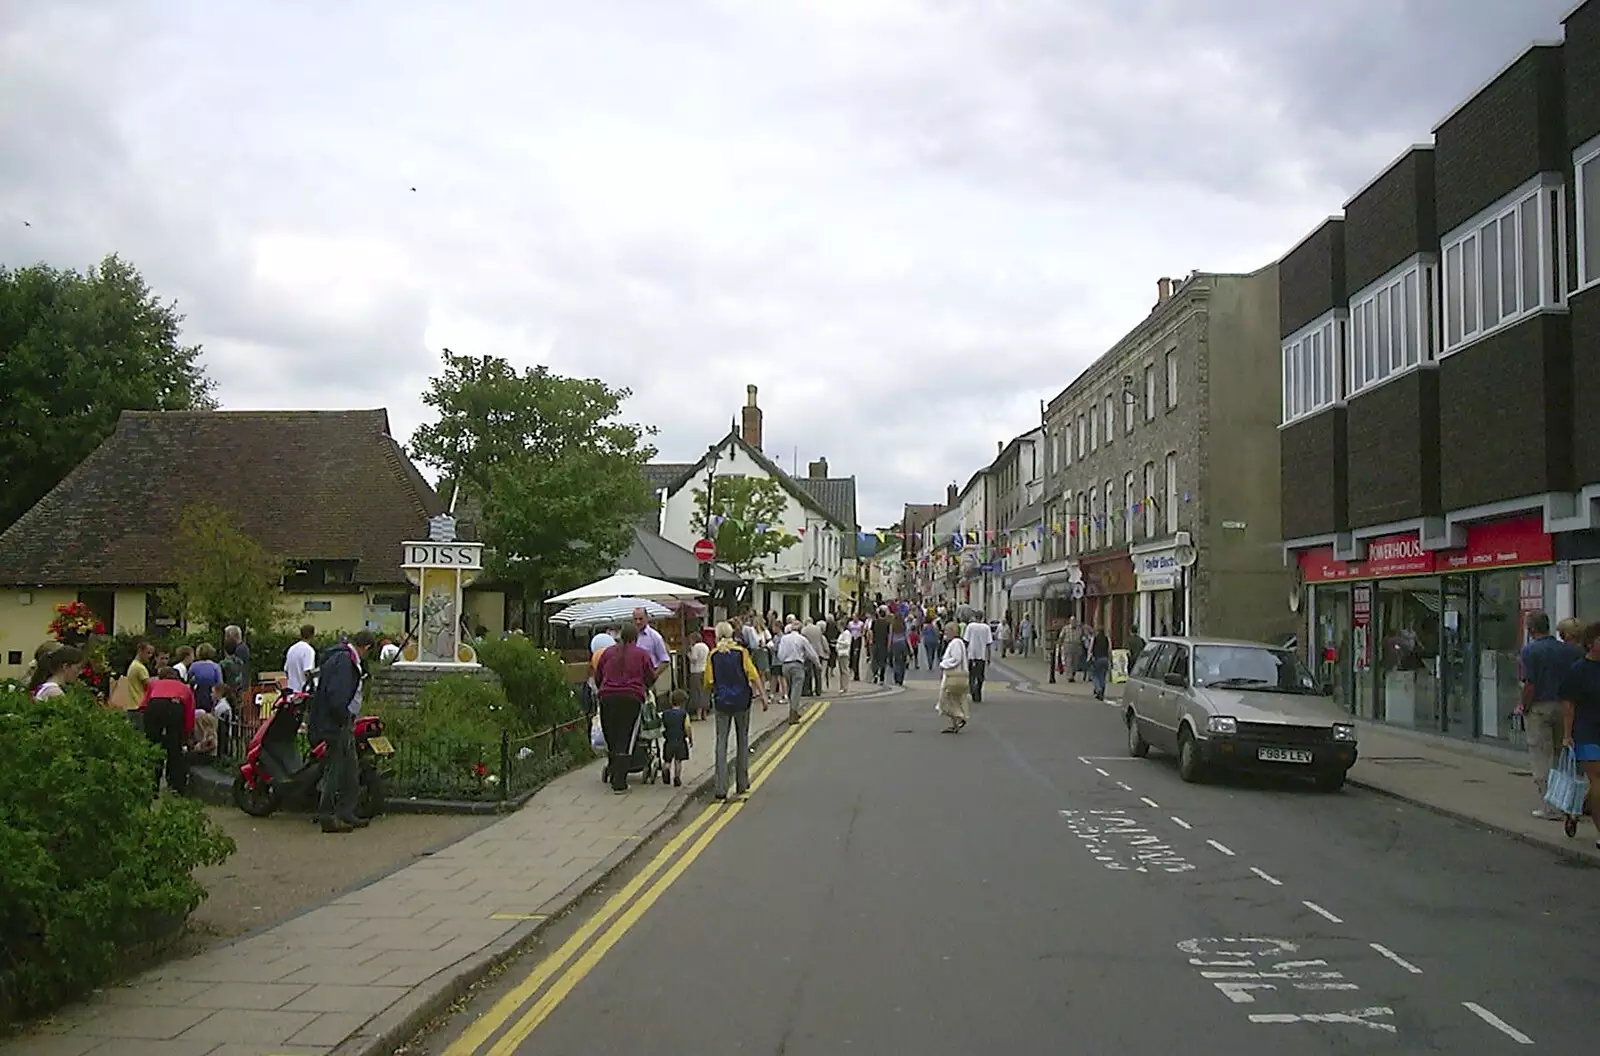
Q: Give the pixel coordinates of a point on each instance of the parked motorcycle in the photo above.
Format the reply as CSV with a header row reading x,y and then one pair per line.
x,y
275,776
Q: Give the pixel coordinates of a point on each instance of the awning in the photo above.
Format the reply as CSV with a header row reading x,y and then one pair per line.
x,y
1029,589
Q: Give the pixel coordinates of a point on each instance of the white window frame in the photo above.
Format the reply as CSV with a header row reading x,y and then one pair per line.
x,y
1312,367
1393,326
1149,392
1149,500
1172,378
1127,412
1094,525
1109,535
1463,283
1094,428
1584,158
1172,493
1129,522
1111,418
1083,436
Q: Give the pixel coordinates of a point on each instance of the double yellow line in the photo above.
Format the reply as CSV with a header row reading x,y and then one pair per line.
x,y
558,973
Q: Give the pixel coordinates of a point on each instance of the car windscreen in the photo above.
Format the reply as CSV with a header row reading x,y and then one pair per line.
x,y
1251,667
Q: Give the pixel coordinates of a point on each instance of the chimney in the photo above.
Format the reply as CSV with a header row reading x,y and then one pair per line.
x,y
950,495
750,417
1163,291
817,470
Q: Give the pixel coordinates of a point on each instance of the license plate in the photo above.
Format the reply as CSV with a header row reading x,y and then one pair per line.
x,y
1283,755
382,746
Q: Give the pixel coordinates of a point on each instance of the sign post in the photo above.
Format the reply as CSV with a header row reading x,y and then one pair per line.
x,y
440,569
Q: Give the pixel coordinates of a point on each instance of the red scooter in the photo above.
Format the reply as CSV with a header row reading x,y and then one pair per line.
x,y
276,776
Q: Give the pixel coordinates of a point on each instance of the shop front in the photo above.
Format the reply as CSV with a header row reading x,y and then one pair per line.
x,y
1428,639
1159,581
1109,597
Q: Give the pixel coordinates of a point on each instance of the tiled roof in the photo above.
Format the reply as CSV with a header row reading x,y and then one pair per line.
x,y
837,496
831,498
306,485
658,475
657,556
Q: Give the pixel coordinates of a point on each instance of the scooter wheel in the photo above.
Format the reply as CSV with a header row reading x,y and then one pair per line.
x,y
374,794
258,802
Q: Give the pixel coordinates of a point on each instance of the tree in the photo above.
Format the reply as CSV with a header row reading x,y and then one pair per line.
x,y
76,350
558,475
224,576
748,532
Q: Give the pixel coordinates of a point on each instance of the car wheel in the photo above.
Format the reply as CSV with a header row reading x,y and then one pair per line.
x,y
1138,747
1188,757
1331,781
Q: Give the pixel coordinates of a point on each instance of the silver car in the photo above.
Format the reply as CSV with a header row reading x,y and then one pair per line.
x,y
1222,704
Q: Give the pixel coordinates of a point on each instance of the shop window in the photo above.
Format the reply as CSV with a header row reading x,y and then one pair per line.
x,y
1406,615
1332,647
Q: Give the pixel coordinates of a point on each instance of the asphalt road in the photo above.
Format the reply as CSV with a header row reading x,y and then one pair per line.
x,y
1025,887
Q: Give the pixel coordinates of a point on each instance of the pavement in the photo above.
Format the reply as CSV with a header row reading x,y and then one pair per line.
x,y
1026,887
361,972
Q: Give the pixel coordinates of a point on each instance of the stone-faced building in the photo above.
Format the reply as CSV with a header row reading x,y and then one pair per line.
x,y
1161,504
1440,481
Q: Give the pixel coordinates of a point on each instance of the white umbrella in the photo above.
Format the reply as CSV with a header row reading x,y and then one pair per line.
x,y
613,610
627,583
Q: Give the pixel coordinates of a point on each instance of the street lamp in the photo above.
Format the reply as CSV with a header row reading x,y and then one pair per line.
x,y
713,456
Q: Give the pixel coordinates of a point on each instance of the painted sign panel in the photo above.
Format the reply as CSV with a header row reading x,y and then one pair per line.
x,y
1507,543
443,555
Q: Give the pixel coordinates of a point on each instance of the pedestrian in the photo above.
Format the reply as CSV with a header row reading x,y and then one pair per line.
x,y
181,661
899,647
1025,636
333,705
1100,661
54,669
878,645
979,639
1135,647
168,706
650,641
732,679
1544,663
818,638
843,646
914,641
677,737
139,677
953,684
299,660
1005,636
795,656
933,642
624,674
858,627
1580,696
699,654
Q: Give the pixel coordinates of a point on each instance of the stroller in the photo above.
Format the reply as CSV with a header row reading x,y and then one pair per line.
x,y
646,758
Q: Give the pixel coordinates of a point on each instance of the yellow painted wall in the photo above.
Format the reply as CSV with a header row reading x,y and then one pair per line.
x,y
130,612
487,607
347,614
24,627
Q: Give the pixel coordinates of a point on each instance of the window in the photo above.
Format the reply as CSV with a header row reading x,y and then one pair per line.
x,y
1094,428
1149,500
1111,418
1083,436
1110,516
1391,324
1505,265
1172,378
1127,410
1587,167
1149,392
1311,368
1128,502
1094,523
1171,503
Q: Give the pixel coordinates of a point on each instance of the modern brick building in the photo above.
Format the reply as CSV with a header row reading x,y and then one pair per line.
x,y
1440,341
1161,499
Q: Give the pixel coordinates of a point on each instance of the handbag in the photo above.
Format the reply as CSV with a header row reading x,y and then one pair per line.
x,y
1566,788
597,735
121,698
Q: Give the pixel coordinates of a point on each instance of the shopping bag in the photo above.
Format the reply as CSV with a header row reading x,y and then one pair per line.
x,y
1566,788
597,736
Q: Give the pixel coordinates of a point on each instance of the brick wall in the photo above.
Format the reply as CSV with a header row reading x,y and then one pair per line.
x,y
1392,450
1311,278
1391,221
399,686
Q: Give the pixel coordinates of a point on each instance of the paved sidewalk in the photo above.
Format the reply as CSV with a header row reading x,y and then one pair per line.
x,y
360,974
1475,783
1034,670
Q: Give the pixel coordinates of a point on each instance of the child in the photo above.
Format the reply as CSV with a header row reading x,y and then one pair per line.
x,y
679,737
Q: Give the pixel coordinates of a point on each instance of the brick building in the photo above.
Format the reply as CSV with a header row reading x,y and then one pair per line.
x,y
1439,340
1161,504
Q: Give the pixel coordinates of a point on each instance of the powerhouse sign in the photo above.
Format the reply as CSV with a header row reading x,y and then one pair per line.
x,y
1507,543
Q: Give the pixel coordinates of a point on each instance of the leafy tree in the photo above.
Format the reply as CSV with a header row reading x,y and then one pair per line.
x,y
558,475
76,350
224,576
749,532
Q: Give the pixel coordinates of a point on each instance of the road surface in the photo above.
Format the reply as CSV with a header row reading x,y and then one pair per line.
x,y
1025,887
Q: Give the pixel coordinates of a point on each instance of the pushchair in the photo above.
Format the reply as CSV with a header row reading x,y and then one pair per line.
x,y
646,758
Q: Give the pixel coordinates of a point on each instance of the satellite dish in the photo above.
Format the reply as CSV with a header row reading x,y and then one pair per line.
x,y
1185,555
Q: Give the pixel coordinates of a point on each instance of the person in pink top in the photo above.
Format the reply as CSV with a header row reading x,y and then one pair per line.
x,y
623,675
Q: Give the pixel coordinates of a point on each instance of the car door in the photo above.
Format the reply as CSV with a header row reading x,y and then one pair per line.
x,y
1176,701
1137,690
1155,706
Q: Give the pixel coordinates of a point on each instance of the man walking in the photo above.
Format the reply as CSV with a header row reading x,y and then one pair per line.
x,y
794,655
879,646
731,680
979,639
1545,661
300,660
817,637
332,714
1100,661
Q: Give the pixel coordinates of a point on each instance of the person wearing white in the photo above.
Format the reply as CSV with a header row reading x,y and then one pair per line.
x,y
795,656
699,654
602,640
954,682
299,661
842,646
979,639
388,652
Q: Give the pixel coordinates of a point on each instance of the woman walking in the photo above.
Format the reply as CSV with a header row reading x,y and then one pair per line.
x,y
953,685
623,673
899,647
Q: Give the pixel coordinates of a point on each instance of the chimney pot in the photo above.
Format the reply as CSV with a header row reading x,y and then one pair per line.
x,y
750,419
1163,290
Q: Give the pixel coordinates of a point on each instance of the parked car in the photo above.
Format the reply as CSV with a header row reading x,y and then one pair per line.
x,y
1233,705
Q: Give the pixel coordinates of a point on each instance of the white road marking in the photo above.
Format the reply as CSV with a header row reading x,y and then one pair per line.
x,y
1274,881
1119,842
1319,911
1358,1017
1124,786
1497,1023
1084,759
1396,958
1147,801
1220,848
1102,773
1181,823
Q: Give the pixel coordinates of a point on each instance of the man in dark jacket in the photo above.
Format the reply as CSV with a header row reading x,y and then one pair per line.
x,y
333,708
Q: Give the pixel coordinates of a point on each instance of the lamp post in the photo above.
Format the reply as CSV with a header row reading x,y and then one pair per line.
x,y
713,455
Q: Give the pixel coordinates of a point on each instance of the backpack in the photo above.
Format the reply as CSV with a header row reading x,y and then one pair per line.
x,y
730,686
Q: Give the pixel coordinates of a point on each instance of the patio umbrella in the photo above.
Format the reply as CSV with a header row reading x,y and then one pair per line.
x,y
612,610
627,583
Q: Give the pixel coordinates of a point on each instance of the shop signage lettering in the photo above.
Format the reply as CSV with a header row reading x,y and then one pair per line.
x,y
444,555
1509,543
1156,563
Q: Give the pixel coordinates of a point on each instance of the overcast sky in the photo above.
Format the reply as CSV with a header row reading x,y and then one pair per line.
x,y
907,221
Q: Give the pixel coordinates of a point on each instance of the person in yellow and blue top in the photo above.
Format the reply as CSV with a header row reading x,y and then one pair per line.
x,y
732,683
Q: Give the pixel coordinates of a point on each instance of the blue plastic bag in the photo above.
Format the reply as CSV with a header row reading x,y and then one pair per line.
x,y
1566,788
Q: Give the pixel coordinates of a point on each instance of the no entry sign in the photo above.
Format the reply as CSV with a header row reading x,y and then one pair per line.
x,y
705,550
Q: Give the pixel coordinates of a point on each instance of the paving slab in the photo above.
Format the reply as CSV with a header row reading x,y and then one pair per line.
x,y
360,973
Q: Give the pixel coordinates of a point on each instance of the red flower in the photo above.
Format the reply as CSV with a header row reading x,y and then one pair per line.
x,y
479,770
99,628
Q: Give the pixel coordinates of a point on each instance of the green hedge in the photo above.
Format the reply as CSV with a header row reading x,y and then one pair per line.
x,y
91,862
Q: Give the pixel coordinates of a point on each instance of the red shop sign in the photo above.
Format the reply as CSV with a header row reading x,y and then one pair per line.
x,y
1491,544
1389,555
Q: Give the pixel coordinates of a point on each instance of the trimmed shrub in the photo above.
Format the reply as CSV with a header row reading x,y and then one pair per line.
x,y
91,862
535,682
